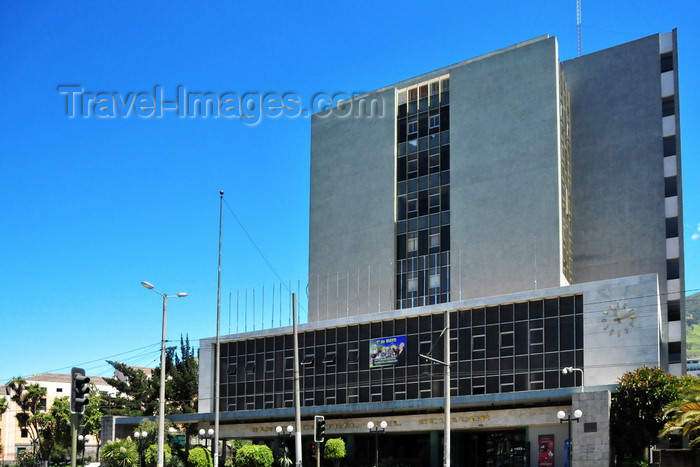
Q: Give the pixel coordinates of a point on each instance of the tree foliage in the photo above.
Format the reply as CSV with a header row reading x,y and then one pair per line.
x,y
30,398
254,455
334,450
684,413
637,411
138,393
135,392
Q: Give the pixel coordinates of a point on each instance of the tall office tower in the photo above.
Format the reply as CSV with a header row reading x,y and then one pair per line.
x,y
504,173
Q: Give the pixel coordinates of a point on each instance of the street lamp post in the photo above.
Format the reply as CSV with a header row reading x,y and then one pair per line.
x,y
161,409
564,417
376,430
206,435
140,438
284,436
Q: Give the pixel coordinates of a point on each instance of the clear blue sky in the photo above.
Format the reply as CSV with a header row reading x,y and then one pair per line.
x,y
92,206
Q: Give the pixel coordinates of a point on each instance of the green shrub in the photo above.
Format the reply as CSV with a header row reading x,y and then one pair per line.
x,y
150,455
254,455
199,457
121,453
334,450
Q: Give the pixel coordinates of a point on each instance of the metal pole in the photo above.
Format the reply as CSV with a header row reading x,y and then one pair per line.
x,y
217,376
448,394
297,389
376,447
161,409
75,421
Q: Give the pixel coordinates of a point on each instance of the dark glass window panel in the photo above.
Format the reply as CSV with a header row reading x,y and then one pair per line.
x,y
522,382
423,103
674,352
507,364
492,341
536,362
666,62
492,315
551,334
521,337
551,360
445,198
522,363
566,330
364,332
401,169
669,146
402,110
668,106
412,325
401,131
492,366
445,98
670,186
551,379
465,318
445,118
412,108
536,309
492,385
671,227
423,203
445,238
579,331
674,310
521,312
672,269
567,359
423,164
423,124
566,305
551,308
506,313
478,316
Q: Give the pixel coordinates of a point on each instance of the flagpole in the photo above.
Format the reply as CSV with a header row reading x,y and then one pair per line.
x,y
217,376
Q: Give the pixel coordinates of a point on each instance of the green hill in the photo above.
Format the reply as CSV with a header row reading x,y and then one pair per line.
x,y
692,318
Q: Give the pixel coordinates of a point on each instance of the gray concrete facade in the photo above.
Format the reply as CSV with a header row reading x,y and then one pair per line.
x,y
508,230
505,178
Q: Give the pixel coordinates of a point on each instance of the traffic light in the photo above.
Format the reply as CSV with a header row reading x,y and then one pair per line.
x,y
319,428
78,390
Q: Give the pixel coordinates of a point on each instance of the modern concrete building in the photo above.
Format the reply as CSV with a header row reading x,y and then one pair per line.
x,y
533,204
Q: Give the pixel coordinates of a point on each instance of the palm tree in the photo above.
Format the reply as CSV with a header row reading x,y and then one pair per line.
x,y
684,414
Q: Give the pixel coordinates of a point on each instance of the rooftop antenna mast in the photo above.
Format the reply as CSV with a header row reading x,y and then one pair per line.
x,y
578,25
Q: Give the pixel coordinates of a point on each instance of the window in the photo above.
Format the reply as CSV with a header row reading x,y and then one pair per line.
x,y
412,242
434,121
308,360
59,389
435,240
412,94
231,369
250,368
434,278
412,127
412,281
329,359
413,206
434,88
